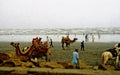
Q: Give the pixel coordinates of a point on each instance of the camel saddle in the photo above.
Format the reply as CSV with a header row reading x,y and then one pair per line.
x,y
118,44
113,51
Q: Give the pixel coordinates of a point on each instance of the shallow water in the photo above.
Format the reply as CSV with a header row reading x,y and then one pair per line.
x,y
57,38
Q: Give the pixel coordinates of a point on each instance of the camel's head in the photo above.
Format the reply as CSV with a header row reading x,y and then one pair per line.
x,y
14,44
75,39
117,47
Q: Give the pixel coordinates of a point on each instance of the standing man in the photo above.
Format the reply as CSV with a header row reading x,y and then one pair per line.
x,y
75,58
47,39
93,38
82,46
51,42
86,37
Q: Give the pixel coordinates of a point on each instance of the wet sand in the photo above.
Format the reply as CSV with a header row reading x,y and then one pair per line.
x,y
91,56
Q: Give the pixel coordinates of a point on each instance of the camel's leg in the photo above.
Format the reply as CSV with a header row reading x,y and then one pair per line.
x,y
117,60
48,55
63,45
104,58
67,44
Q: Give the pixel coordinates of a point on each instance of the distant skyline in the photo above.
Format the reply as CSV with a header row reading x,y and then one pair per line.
x,y
31,14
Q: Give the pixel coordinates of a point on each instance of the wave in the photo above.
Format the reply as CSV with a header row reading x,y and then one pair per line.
x,y
54,31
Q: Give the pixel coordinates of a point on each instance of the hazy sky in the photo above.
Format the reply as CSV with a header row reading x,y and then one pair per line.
x,y
59,13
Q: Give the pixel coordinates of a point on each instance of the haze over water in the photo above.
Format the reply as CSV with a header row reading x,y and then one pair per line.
x,y
26,35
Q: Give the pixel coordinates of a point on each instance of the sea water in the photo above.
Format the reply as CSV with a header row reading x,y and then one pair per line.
x,y
57,38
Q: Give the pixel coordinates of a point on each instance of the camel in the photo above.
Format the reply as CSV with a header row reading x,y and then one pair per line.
x,y
36,50
111,54
23,55
67,41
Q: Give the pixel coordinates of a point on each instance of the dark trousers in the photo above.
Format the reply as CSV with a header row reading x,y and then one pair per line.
x,y
82,48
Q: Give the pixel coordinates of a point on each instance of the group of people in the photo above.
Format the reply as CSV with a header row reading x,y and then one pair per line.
x,y
92,37
75,57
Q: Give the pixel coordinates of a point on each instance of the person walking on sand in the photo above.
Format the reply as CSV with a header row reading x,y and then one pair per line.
x,y
51,42
47,39
86,37
82,46
93,38
75,58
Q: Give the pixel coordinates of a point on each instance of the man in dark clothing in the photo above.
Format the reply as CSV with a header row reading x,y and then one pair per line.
x,y
51,42
82,46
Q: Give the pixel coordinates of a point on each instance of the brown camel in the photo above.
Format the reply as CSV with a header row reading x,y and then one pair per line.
x,y
36,50
67,41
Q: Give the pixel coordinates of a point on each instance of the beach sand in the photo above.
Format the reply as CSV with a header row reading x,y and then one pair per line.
x,y
91,56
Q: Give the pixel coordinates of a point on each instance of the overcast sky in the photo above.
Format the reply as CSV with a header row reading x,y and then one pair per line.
x,y
59,13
